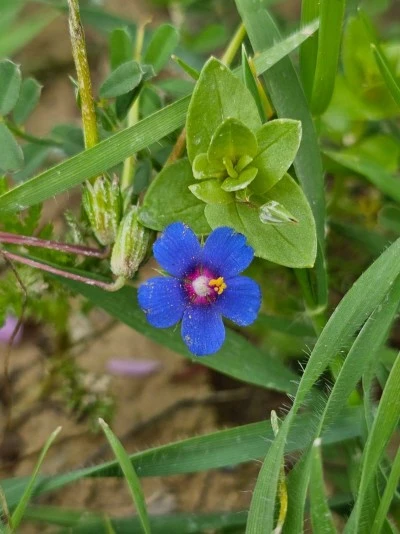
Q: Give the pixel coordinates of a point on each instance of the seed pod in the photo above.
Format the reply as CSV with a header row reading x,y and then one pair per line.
x,y
131,245
103,205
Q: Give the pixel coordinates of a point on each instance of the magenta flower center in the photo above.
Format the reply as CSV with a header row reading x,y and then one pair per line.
x,y
203,287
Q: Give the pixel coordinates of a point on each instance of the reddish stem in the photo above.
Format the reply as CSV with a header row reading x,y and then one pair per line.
x,y
107,286
30,241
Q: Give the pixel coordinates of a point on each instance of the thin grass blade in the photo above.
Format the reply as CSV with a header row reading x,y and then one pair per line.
x,y
28,491
388,494
387,73
130,475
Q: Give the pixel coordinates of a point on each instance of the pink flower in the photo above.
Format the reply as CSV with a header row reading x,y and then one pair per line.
x,y
6,331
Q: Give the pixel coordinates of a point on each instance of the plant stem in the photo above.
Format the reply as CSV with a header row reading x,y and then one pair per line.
x,y
133,116
234,45
30,241
82,69
107,286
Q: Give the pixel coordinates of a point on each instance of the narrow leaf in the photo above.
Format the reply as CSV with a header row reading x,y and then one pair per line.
x,y
387,73
29,488
10,83
11,155
130,476
321,517
162,44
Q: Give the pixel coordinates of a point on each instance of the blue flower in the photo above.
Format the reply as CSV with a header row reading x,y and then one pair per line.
x,y
204,286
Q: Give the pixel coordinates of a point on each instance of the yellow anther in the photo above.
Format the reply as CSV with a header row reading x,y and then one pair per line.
x,y
218,284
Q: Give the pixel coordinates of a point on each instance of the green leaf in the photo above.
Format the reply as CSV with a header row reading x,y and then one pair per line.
x,y
382,429
10,84
218,95
321,518
29,488
122,80
389,218
121,47
84,522
232,139
244,179
387,497
27,101
387,73
203,168
297,485
377,175
162,44
11,155
309,49
293,245
210,192
169,199
130,475
278,142
250,82
329,39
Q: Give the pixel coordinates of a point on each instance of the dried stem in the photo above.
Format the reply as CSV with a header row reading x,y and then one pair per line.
x,y
107,286
30,241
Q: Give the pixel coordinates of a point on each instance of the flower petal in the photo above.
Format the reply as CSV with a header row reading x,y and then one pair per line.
x,y
226,252
162,300
202,330
241,300
177,250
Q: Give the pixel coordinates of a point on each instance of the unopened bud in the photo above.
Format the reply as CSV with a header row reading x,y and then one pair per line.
x,y
103,205
131,245
273,212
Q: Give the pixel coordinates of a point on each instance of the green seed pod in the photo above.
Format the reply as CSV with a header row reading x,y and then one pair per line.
x,y
103,205
131,245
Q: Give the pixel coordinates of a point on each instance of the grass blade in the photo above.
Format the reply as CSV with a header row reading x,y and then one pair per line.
x,y
382,429
309,49
130,475
387,73
373,172
298,481
329,37
388,494
28,491
321,517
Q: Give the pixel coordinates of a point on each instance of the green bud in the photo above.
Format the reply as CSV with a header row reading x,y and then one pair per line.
x,y
131,245
275,213
103,205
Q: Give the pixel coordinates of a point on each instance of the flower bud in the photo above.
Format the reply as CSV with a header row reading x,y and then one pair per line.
x,y
131,245
103,205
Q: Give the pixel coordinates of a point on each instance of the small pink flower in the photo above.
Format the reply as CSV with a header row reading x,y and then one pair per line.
x,y
133,367
6,331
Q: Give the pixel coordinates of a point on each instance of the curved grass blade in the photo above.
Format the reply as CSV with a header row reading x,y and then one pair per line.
x,y
387,73
382,429
298,480
29,489
309,49
321,517
329,38
123,144
130,476
388,494
211,451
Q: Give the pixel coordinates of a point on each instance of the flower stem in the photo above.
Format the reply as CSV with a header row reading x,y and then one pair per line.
x,y
30,241
107,286
82,69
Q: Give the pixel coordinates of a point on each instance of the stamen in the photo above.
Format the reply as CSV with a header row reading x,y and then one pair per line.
x,y
218,284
